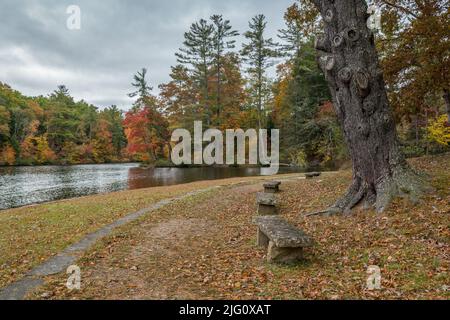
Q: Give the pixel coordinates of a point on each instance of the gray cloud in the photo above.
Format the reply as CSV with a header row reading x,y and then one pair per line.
x,y
117,38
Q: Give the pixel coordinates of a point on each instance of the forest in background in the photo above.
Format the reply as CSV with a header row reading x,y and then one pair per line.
x,y
228,87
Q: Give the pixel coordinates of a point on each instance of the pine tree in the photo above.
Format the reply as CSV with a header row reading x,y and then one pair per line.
x,y
259,53
293,39
143,90
61,93
222,40
115,118
198,53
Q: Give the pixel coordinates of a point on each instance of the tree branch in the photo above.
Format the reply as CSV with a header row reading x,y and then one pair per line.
x,y
405,10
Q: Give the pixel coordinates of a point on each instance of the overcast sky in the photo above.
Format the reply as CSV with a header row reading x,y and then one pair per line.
x,y
117,38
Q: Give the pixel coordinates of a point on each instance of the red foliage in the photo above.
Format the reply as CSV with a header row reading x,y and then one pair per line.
x,y
146,130
326,110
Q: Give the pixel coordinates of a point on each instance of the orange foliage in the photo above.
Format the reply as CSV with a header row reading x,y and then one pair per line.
x,y
7,156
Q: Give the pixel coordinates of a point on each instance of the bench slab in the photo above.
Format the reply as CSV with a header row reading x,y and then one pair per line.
x,y
281,233
310,175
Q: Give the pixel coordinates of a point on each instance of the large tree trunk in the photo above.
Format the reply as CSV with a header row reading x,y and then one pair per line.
x,y
347,55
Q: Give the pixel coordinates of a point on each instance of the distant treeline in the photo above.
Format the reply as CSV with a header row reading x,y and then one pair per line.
x,y
56,129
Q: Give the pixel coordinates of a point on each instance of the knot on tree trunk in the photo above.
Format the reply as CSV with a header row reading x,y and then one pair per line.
x,y
345,74
364,129
327,62
362,81
322,44
338,40
369,107
329,15
352,34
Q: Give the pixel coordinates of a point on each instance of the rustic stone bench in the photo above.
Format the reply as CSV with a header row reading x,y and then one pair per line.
x,y
267,204
283,241
311,175
272,187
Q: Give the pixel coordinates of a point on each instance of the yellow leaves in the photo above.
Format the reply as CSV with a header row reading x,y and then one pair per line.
x,y
439,130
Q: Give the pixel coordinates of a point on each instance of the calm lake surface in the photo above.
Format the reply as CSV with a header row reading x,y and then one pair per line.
x,y
20,186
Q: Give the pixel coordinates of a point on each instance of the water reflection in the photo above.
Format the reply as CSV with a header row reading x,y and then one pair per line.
x,y
28,185
144,178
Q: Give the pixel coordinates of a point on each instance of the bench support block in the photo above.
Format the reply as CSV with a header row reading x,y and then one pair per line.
x,y
261,239
271,189
267,210
283,255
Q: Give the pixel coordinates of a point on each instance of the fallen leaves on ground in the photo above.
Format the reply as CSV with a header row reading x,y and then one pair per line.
x,y
204,248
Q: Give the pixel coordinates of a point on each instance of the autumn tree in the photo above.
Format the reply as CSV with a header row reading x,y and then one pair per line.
x,y
347,55
114,117
7,156
5,118
145,126
197,53
415,50
102,144
233,94
223,40
304,16
258,53
147,134
179,98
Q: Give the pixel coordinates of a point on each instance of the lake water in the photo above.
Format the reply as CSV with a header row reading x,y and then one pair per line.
x,y
20,186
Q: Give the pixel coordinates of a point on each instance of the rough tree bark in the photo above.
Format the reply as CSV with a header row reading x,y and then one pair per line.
x,y
347,55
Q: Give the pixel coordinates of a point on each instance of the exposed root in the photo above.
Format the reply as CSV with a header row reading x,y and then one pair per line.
x,y
404,182
327,213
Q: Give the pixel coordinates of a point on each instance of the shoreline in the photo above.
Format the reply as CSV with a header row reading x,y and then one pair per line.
x,y
32,205
145,166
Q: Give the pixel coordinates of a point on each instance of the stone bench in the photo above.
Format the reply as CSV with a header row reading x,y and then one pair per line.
x,y
311,175
267,204
283,241
272,187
